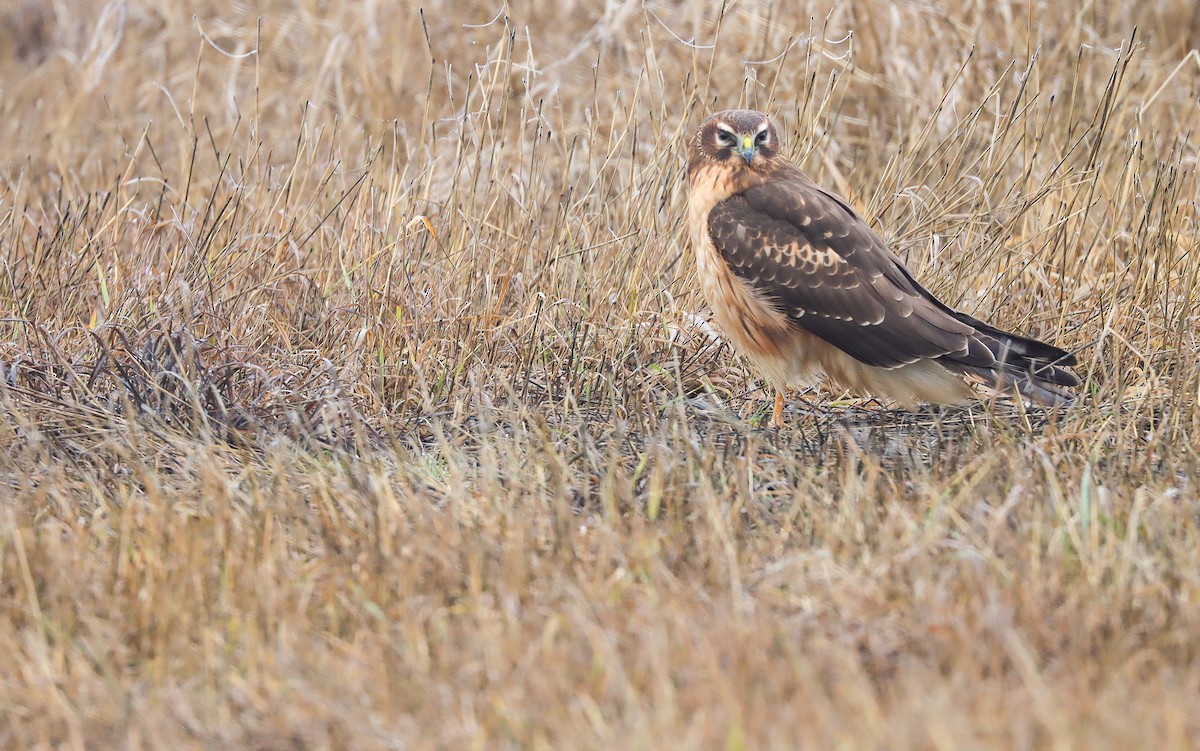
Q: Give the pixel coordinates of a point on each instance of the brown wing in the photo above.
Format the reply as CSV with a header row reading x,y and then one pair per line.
x,y
808,252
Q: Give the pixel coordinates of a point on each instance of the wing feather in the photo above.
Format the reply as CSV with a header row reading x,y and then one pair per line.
x,y
812,256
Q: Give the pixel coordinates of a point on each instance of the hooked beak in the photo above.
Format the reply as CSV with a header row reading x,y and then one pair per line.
x,y
748,150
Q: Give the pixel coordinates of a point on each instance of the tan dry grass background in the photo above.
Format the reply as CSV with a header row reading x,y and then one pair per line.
x,y
280,469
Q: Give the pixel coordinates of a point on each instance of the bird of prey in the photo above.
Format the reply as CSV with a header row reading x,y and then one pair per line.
x,y
801,285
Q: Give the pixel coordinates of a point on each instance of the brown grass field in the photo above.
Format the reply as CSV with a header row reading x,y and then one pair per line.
x,y
285,466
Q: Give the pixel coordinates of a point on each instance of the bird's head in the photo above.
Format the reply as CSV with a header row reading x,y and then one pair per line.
x,y
744,139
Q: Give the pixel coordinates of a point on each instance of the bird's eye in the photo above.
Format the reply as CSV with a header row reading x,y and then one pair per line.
x,y
761,138
725,138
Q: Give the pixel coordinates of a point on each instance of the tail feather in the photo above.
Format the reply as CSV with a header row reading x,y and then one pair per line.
x,y
1047,385
1035,369
1038,371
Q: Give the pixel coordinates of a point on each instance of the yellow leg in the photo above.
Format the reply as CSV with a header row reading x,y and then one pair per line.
x,y
777,417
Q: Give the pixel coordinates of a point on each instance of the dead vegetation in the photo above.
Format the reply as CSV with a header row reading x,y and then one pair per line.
x,y
285,465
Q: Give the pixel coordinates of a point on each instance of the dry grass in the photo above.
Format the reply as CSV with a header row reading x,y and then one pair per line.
x,y
281,468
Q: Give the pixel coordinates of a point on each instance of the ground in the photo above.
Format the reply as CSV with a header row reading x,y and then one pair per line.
x,y
357,391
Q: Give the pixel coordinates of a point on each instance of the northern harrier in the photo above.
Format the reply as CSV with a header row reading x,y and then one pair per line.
x,y
800,284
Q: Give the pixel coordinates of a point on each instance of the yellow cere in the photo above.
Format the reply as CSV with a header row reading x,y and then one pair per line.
x,y
746,142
